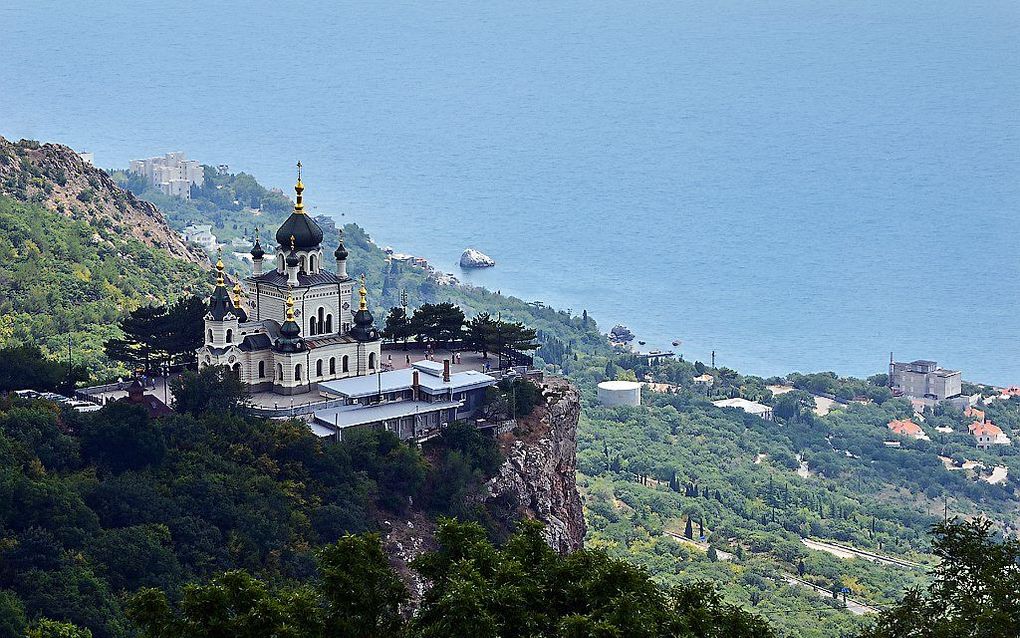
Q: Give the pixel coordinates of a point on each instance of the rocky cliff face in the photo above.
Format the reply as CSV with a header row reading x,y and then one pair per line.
x,y
536,481
541,461
56,177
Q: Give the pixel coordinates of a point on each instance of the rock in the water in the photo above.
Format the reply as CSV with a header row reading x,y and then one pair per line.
x,y
475,259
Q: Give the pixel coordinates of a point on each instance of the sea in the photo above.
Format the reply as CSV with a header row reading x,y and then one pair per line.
x,y
794,185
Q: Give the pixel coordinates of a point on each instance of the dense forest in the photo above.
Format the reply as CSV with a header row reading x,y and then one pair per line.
x,y
101,504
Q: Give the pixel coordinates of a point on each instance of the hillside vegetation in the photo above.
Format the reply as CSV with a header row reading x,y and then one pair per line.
x,y
99,505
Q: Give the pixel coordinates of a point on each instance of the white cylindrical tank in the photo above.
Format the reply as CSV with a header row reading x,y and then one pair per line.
x,y
620,393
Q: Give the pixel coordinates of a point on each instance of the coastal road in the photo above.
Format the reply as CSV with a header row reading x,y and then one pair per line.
x,y
853,606
680,538
845,551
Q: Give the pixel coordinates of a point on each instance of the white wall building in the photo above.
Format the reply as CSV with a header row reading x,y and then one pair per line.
x,y
293,326
412,403
202,235
173,174
751,407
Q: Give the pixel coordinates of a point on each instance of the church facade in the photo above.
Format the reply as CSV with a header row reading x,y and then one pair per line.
x,y
291,324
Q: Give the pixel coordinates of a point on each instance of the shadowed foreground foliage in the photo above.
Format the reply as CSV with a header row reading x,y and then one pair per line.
x,y
975,593
522,589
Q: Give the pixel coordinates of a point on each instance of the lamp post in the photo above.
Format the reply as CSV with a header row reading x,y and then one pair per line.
x,y
166,382
69,358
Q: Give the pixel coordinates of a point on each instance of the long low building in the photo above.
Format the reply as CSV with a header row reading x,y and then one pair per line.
x,y
412,403
751,407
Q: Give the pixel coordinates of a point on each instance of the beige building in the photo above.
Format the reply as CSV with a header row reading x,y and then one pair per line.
x,y
173,174
923,379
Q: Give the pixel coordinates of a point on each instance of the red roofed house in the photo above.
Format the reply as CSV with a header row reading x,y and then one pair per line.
x,y
974,413
988,434
152,405
905,427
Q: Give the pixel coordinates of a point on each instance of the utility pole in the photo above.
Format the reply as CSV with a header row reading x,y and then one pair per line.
x,y
713,358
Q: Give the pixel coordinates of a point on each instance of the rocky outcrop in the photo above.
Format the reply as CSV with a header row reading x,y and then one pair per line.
x,y
472,258
56,177
538,474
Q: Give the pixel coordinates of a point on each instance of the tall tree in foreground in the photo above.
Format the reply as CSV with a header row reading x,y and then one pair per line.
x,y
398,325
438,323
522,589
157,334
213,389
975,591
26,368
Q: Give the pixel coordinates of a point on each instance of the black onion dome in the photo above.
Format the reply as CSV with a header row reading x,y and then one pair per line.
x,y
290,338
306,232
341,251
292,259
363,329
256,251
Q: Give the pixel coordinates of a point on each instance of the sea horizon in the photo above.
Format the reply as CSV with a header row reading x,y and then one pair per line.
x,y
801,187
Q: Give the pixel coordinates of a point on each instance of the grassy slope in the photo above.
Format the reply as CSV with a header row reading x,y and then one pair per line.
x,y
63,277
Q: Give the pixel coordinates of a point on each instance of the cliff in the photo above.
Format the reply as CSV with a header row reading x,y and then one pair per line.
x,y
538,475
536,481
55,176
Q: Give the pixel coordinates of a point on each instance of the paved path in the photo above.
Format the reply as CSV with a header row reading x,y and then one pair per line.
x,y
853,606
680,538
845,551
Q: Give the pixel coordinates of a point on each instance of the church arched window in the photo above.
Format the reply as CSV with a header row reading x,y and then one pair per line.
x,y
329,324
318,368
311,264
279,372
262,369
332,365
304,264
311,326
230,335
297,372
210,335
344,364
371,361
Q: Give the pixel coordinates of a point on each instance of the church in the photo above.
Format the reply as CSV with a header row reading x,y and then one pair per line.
x,y
291,324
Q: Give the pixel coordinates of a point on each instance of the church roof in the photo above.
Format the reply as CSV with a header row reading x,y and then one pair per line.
x,y
274,278
299,231
303,228
332,340
256,342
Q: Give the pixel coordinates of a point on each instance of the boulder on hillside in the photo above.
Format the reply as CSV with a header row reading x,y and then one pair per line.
x,y
472,258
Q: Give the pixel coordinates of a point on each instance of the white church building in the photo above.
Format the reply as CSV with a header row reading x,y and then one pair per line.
x,y
291,326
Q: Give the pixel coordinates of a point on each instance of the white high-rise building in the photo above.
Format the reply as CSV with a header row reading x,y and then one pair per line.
x,y
173,174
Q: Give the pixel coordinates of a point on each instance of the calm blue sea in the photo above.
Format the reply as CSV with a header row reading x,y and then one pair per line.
x,y
797,185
